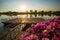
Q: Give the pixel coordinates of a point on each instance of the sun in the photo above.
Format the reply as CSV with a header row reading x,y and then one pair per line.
x,y
23,8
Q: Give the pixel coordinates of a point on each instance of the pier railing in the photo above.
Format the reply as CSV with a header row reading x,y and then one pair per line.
x,y
13,33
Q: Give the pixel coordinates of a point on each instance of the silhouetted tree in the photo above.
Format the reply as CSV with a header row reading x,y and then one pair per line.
x,y
42,13
31,11
35,13
49,13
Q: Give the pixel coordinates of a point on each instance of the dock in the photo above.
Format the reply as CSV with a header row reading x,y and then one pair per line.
x,y
16,26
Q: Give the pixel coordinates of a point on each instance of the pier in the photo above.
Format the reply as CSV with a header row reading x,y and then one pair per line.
x,y
15,27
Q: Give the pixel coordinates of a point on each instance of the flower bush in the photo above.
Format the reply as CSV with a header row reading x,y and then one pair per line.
x,y
48,30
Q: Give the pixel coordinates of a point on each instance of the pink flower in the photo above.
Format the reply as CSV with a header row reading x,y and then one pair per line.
x,y
47,23
49,27
40,35
28,30
57,30
58,18
50,20
54,24
32,25
28,38
38,26
45,39
42,31
31,37
59,21
45,33
26,34
21,37
56,38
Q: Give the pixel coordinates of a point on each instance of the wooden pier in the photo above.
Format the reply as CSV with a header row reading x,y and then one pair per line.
x,y
16,26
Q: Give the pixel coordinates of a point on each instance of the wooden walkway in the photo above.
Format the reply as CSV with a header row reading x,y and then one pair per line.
x,y
15,27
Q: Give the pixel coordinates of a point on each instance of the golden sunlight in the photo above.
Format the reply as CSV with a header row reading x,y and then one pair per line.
x,y
23,8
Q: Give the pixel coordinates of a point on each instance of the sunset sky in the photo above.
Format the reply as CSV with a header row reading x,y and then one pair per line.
x,y
23,5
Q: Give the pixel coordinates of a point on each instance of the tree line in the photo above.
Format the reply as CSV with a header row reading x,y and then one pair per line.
x,y
57,13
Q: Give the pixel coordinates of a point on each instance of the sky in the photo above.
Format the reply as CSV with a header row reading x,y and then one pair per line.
x,y
14,5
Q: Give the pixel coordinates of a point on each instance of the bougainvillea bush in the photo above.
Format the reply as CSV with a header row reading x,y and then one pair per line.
x,y
48,30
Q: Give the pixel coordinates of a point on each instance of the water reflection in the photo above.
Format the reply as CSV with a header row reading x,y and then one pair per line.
x,y
4,18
